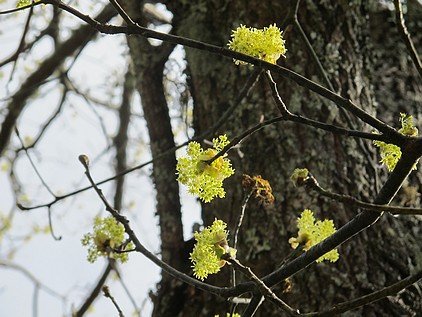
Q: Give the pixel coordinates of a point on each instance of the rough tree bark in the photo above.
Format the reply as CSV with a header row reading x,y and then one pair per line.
x,y
148,65
343,36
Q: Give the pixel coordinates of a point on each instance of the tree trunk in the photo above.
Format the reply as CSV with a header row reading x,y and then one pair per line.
x,y
340,33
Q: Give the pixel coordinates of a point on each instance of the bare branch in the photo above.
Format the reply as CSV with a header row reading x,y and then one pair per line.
x,y
370,298
401,26
21,8
106,293
21,45
33,164
265,290
30,276
312,183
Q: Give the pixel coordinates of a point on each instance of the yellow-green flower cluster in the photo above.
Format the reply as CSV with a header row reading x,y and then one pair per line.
x,y
390,153
312,232
299,175
228,315
266,44
202,179
211,245
24,3
407,126
108,235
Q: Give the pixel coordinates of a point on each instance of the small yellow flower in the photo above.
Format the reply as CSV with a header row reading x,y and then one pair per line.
x,y
24,3
266,44
390,153
211,245
108,235
299,175
312,232
203,180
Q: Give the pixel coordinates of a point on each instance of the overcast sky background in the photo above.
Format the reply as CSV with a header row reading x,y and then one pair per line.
x,y
61,265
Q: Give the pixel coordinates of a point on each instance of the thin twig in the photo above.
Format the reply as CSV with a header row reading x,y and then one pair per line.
x,y
35,299
106,292
21,45
122,13
253,306
48,123
50,225
401,26
288,116
370,298
236,234
265,290
312,183
33,164
21,8
10,265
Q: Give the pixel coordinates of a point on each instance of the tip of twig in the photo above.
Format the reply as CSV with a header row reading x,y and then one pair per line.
x,y
84,159
106,291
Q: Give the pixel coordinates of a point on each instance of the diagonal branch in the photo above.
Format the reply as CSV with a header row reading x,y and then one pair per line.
x,y
264,289
340,101
370,298
401,26
312,183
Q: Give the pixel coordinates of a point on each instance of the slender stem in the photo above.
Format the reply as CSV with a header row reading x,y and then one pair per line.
x,y
253,306
264,289
35,3
401,26
370,298
106,292
122,13
237,229
44,183
312,183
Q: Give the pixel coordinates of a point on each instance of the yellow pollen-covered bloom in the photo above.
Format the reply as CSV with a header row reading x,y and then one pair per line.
x,y
108,235
211,245
312,232
203,179
391,153
266,44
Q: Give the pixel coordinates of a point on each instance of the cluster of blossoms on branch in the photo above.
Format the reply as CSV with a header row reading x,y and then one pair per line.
x,y
202,179
391,153
107,239
312,232
211,245
24,3
266,44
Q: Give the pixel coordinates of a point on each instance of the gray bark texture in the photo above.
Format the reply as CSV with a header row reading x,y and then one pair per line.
x,y
359,47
